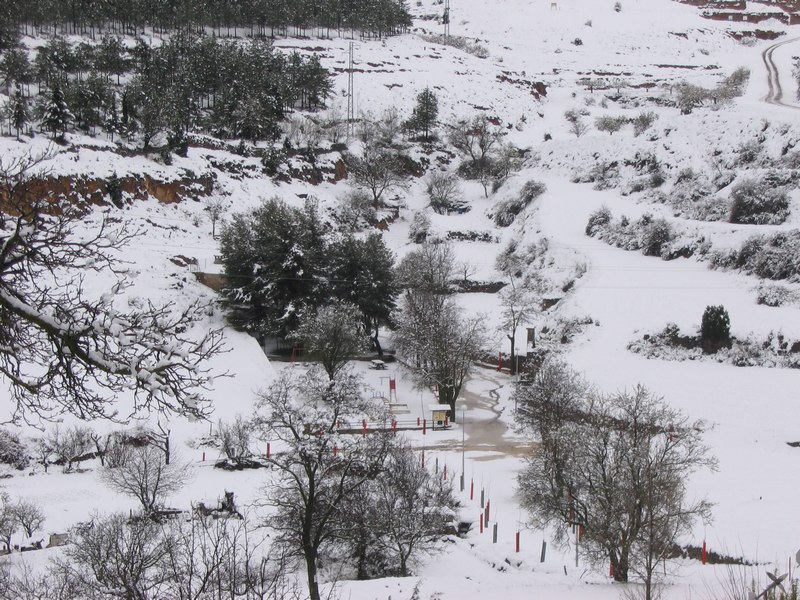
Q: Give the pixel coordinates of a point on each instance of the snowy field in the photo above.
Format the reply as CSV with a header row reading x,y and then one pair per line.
x,y
753,411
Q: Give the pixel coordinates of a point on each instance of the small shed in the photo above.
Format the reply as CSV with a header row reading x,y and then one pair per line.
x,y
439,418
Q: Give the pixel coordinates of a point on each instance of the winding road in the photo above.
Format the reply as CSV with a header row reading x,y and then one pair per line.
x,y
774,89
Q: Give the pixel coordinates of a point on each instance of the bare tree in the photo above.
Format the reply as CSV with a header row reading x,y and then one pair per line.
x,y
475,137
432,331
120,554
321,466
216,207
334,335
69,445
234,439
577,124
29,515
444,192
412,508
518,306
145,476
616,466
377,170
68,352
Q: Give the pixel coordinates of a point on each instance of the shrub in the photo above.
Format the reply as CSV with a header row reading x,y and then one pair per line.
x,y
444,192
775,295
655,237
715,328
610,124
420,228
12,450
508,209
642,122
753,202
597,220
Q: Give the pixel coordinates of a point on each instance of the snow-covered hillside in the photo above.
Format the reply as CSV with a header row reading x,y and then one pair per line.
x,y
544,58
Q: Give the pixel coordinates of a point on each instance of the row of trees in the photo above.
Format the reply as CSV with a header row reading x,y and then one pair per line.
x,y
260,17
190,82
361,500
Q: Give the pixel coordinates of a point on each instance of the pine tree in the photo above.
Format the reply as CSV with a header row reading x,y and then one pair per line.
x,y
19,112
112,124
57,116
423,119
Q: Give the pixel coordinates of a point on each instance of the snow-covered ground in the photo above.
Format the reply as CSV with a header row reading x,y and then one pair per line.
x,y
753,410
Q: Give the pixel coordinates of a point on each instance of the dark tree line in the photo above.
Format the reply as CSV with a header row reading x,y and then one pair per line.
x,y
283,263
191,82
249,17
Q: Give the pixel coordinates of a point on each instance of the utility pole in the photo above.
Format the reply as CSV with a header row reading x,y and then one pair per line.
x,y
350,99
446,19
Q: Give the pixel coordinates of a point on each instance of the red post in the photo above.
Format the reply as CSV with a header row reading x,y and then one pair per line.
x,y
417,421
364,425
487,510
446,420
269,451
445,472
204,457
481,521
471,489
335,449
704,555
423,457
500,362
394,426
424,426
580,532
518,542
611,570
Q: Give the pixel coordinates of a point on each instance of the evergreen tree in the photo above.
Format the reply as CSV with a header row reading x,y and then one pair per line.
x,y
20,115
362,272
423,119
112,124
57,117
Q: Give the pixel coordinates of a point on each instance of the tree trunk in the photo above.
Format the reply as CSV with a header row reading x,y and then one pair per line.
x,y
311,571
512,368
377,343
447,395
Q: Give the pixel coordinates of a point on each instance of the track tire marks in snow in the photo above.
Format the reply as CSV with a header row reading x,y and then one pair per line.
x,y
774,89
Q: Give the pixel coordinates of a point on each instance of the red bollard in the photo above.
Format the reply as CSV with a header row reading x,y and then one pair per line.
x,y
481,521
364,425
703,555
446,420
487,511
394,426
335,449
269,451
471,489
424,426
445,472
518,542
500,362
611,570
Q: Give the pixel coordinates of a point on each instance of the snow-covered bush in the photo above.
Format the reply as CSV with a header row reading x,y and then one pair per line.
x,y
420,228
775,256
754,202
642,122
12,450
610,124
598,220
655,236
507,210
444,193
776,295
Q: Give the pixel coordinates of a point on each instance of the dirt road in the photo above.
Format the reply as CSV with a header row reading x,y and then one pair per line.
x,y
774,89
